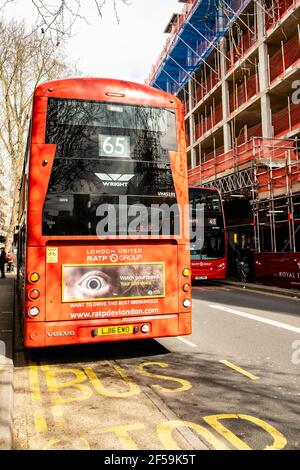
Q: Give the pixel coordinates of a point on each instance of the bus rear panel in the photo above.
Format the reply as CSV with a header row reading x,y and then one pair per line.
x,y
102,153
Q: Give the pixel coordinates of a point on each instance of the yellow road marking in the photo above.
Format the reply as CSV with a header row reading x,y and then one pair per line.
x,y
40,422
75,382
51,443
164,431
122,433
86,443
133,388
185,385
34,382
58,414
214,421
240,370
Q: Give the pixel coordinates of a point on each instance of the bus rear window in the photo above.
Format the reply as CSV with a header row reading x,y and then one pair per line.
x,y
90,129
209,198
105,151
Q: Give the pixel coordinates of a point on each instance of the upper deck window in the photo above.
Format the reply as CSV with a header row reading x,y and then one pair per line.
x,y
105,150
81,130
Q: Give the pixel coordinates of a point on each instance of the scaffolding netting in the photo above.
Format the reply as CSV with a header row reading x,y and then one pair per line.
x,y
196,33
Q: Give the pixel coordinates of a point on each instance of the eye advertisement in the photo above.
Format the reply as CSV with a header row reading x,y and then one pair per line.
x,y
107,282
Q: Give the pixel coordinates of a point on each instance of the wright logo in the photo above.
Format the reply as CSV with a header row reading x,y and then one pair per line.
x,y
114,179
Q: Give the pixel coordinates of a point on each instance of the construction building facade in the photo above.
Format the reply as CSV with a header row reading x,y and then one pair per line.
x,y
235,65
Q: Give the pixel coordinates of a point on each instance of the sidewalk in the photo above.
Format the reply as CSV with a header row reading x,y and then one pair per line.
x,y
295,293
6,360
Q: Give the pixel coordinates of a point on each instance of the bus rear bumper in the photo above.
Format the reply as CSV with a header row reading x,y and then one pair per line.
x,y
214,270
41,334
208,276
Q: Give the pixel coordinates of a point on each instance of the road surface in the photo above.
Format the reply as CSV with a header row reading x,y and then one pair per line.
x,y
233,384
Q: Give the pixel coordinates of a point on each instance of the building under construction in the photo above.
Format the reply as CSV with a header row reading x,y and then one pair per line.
x,y
235,64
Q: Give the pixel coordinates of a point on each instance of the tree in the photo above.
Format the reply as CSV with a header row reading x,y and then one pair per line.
x,y
25,61
56,19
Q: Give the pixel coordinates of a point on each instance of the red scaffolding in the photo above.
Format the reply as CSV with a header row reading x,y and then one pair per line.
x,y
271,158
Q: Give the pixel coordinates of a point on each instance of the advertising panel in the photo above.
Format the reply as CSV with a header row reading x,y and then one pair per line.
x,y
92,282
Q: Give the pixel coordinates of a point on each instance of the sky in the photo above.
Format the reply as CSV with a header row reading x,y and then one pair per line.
x,y
104,48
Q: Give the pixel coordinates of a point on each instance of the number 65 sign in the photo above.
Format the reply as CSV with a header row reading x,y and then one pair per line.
x,y
114,146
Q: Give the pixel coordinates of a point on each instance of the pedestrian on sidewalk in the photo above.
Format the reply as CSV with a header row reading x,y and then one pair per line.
x,y
249,256
2,262
10,261
243,266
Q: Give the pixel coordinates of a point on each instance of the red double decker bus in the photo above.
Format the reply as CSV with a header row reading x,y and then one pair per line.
x,y
103,156
208,258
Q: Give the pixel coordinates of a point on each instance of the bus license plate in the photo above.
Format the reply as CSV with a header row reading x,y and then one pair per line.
x,y
115,330
200,278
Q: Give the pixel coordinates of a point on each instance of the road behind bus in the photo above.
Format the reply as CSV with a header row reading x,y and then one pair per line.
x,y
234,383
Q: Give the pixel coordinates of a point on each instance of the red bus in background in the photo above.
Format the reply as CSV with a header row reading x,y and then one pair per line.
x,y
208,261
98,147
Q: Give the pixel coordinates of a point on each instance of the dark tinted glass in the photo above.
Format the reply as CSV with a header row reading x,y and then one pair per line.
x,y
105,151
210,199
214,236
213,247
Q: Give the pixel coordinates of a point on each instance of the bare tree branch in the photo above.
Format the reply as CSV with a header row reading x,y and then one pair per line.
x,y
57,19
25,61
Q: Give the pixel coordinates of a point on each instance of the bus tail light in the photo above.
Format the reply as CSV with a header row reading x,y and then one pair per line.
x,y
187,303
33,277
33,312
186,272
186,287
33,294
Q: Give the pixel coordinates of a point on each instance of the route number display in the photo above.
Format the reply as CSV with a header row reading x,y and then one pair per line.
x,y
114,146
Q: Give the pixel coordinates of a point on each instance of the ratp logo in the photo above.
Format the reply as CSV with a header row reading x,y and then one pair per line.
x,y
114,179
